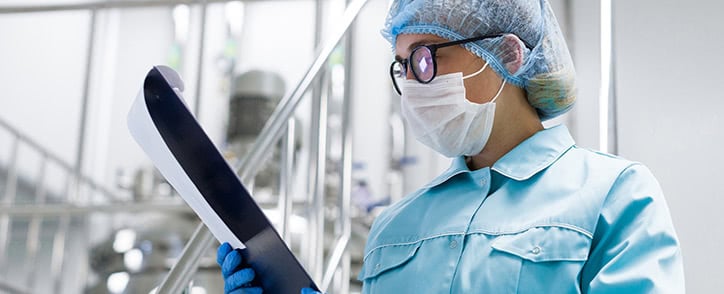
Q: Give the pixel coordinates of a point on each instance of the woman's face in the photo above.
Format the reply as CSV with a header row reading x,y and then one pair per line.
x,y
480,88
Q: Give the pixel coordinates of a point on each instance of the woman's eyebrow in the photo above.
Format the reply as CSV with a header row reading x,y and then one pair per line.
x,y
421,42
416,44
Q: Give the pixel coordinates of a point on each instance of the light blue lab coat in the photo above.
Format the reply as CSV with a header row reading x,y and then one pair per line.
x,y
548,217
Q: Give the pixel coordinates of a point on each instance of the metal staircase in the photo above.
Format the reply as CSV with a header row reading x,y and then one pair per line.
x,y
54,218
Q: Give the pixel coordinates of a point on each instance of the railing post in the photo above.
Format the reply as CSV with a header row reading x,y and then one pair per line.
x,y
314,253
339,258
57,257
79,156
284,206
200,61
268,136
185,268
347,151
33,236
318,172
11,185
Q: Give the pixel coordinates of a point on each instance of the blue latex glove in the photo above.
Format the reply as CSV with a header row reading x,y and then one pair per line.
x,y
237,279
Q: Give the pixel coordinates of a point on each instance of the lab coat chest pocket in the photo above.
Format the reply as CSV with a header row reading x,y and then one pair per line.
x,y
552,258
381,262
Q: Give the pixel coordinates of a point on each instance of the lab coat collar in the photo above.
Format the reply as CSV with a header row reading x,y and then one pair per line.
x,y
535,153
525,160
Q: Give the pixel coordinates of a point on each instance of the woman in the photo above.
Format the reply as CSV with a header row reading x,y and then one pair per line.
x,y
521,209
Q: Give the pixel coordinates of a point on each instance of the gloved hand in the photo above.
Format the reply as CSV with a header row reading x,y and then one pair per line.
x,y
237,279
310,291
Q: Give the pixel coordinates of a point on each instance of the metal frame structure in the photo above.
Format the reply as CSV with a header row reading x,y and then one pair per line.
x,y
281,122
269,135
96,5
75,184
608,133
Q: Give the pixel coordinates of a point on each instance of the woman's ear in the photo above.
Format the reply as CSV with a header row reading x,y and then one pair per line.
x,y
513,51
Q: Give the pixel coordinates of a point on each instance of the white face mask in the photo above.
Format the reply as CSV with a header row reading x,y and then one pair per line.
x,y
442,118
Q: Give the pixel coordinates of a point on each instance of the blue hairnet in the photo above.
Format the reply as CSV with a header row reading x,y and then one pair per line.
x,y
547,72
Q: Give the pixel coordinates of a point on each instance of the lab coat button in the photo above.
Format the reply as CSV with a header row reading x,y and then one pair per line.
x,y
536,250
453,244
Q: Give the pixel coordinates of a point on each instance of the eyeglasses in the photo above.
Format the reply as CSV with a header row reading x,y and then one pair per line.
x,y
422,61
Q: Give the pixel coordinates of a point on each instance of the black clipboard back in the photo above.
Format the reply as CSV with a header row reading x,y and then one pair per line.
x,y
163,126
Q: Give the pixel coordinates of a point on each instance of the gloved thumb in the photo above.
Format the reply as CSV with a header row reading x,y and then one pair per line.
x,y
310,291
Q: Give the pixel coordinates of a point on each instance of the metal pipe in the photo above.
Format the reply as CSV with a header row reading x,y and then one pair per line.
x,y
34,145
338,264
177,280
340,257
83,198
46,210
269,134
346,265
200,61
33,236
319,132
57,259
315,224
86,95
9,198
286,182
604,98
277,121
613,101
572,121
346,174
10,9
55,159
6,287
334,259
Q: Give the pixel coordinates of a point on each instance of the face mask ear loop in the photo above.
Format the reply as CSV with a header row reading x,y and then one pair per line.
x,y
477,72
502,85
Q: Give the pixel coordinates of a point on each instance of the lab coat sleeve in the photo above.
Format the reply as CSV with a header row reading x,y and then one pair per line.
x,y
635,248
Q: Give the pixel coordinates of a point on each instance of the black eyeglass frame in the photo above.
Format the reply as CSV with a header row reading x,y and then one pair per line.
x,y
405,63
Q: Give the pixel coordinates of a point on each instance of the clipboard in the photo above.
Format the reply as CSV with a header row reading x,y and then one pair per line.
x,y
168,133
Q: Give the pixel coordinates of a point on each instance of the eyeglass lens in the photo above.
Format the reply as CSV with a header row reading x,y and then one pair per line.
x,y
422,64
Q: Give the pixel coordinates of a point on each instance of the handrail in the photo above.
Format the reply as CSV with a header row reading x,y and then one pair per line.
x,y
275,125
31,210
8,207
260,150
102,4
6,287
84,180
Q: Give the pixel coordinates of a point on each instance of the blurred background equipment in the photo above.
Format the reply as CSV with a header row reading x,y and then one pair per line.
x,y
83,211
91,215
254,96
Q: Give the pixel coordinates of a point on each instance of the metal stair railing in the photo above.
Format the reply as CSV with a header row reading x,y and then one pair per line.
x,y
95,5
41,209
180,275
74,184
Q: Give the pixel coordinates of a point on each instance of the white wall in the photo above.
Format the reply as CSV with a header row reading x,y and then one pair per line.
x,y
668,58
668,66
41,89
